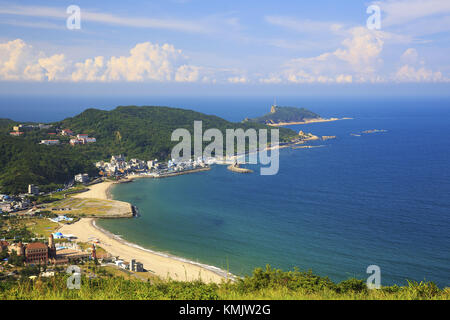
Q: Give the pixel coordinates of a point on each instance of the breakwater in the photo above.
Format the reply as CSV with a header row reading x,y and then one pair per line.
x,y
236,168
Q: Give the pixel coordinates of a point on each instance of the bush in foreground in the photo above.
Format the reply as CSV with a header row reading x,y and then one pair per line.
x,y
263,284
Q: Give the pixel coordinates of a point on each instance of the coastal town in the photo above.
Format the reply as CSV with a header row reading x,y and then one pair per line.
x,y
47,230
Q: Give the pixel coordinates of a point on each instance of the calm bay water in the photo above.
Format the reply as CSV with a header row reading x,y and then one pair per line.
x,y
381,198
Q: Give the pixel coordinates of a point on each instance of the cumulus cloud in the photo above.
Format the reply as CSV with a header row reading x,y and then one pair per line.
x,y
357,59
238,79
187,73
145,62
414,70
408,73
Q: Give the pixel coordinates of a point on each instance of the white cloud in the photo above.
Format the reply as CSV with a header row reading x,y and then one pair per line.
x,y
414,70
187,73
145,62
399,12
362,50
54,66
19,61
357,59
90,70
408,73
271,79
238,79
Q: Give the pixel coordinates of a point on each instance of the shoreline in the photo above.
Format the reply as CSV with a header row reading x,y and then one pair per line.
x,y
164,265
307,121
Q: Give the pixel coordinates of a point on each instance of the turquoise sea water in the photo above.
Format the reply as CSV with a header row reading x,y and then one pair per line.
x,y
381,198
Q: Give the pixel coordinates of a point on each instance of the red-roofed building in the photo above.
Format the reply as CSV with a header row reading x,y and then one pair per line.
x,y
36,253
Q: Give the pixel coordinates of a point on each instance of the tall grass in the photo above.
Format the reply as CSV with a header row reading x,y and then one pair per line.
x,y
270,284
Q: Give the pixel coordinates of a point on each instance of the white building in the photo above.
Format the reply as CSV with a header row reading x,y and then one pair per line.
x,y
49,142
82,178
32,189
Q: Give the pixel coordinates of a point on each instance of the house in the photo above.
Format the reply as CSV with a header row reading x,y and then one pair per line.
x,y
32,189
82,136
136,266
5,206
75,141
82,178
23,127
90,140
66,132
49,142
3,245
16,133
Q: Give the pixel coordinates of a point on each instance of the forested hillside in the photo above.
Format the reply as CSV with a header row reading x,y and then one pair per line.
x,y
137,132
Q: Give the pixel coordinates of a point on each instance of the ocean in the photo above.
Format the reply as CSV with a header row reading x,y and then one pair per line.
x,y
375,199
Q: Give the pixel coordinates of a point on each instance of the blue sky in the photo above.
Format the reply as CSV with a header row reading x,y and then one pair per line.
x,y
223,46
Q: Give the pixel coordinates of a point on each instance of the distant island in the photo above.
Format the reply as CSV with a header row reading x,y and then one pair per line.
x,y
281,116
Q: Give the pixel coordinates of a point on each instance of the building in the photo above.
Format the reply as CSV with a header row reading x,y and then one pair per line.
x,y
136,266
16,133
82,139
116,159
66,132
75,141
19,248
94,252
23,127
5,207
41,253
32,189
49,142
3,245
82,178
36,253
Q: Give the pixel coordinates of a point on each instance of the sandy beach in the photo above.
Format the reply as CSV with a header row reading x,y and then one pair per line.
x,y
97,191
163,265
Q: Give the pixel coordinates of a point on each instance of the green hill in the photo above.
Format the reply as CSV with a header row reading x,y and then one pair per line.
x,y
137,132
285,115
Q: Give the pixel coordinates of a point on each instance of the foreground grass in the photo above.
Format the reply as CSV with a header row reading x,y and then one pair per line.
x,y
269,284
